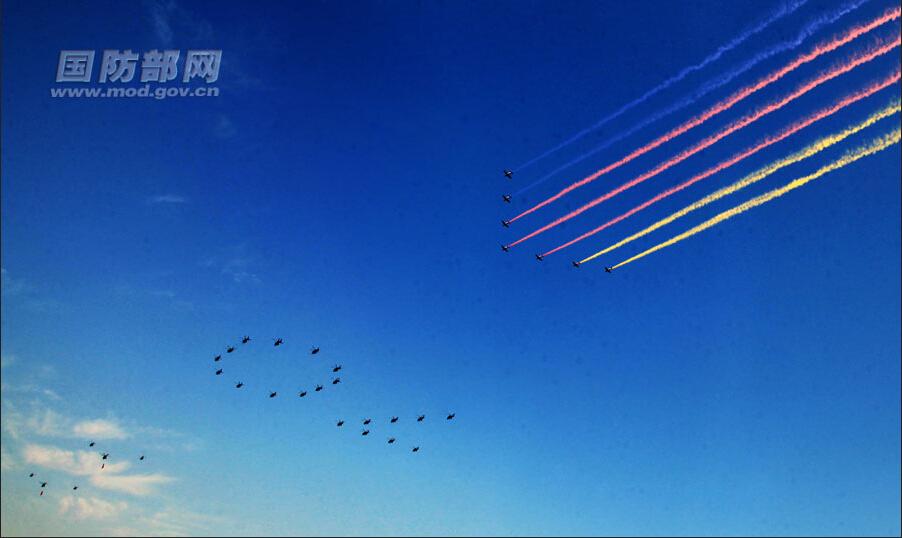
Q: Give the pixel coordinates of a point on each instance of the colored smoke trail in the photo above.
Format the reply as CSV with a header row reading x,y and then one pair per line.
x,y
874,147
707,142
756,176
810,29
726,104
784,10
789,131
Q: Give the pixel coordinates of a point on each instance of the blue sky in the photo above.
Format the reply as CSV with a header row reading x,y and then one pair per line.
x,y
344,191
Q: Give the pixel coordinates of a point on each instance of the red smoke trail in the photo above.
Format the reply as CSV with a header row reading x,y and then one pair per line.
x,y
789,131
735,126
819,50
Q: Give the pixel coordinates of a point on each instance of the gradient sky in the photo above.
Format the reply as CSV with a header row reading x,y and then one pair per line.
x,y
344,191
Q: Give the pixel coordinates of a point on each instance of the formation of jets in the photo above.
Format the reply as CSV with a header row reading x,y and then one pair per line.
x,y
314,350
506,223
104,456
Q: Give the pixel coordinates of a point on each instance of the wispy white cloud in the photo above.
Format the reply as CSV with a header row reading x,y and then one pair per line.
x,y
134,484
78,463
91,507
99,429
167,199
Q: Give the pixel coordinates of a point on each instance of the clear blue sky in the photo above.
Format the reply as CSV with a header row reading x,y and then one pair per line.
x,y
344,191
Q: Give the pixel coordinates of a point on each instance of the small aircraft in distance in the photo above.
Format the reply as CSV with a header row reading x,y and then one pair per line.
x,y
105,455
217,358
420,418
302,393
314,350
278,342
365,432
505,248
415,449
336,381
141,458
393,420
102,465
508,173
239,384
450,416
230,349
74,488
43,484
318,388
273,394
506,223
30,475
540,257
575,263
608,269
219,372
506,198
91,443
391,440
246,339
340,423
336,368
366,421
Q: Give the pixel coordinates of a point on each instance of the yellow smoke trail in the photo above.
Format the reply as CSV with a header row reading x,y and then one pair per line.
x,y
876,145
758,175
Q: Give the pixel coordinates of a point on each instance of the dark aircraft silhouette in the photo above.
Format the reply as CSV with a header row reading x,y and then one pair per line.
x,y
336,381
43,484
219,372
336,368
230,349
102,465
505,248
391,440
575,264
318,388
141,458
415,449
366,421
91,443
30,475
540,257
278,342
506,198
302,393
75,488
506,223
314,351
217,358
449,417
239,384
105,455
508,173
340,423
365,432
272,394
608,269
393,420
246,339
420,418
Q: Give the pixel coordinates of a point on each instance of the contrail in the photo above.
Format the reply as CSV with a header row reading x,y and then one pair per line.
x,y
726,104
810,29
782,11
735,126
788,131
876,145
756,176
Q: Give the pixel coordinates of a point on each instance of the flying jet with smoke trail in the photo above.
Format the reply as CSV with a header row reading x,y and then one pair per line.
x,y
782,11
838,70
875,146
787,132
807,31
758,175
819,50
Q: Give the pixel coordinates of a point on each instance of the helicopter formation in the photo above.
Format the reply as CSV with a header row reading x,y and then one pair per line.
x,y
104,456
336,380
